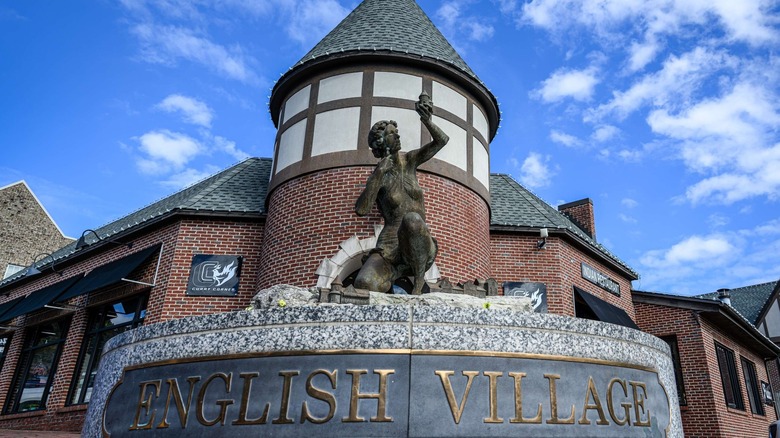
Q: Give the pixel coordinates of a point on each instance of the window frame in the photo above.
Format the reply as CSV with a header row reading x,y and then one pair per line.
x,y
95,329
671,340
729,377
24,365
754,392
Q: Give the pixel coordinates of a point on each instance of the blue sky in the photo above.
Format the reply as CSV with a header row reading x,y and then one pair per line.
x,y
664,112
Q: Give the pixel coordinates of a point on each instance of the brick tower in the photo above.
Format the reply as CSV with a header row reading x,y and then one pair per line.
x,y
373,66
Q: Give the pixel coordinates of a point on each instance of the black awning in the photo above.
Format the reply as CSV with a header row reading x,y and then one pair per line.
x,y
604,311
5,307
108,274
40,298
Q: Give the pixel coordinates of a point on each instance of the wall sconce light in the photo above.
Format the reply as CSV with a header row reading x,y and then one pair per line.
x,y
543,234
82,242
32,270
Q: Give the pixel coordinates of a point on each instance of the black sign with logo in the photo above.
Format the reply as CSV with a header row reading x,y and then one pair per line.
x,y
214,275
537,292
599,279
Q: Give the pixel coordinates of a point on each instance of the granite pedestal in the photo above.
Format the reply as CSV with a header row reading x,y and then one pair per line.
x,y
394,370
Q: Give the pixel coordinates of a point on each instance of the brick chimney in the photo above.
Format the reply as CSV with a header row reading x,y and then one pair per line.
x,y
581,213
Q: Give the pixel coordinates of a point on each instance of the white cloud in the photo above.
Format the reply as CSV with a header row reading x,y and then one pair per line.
x,y
729,137
629,203
454,22
169,44
671,86
534,172
642,54
628,219
310,20
166,150
747,21
564,139
605,133
712,250
193,110
576,84
229,147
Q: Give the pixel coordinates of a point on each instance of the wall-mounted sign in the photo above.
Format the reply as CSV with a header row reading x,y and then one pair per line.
x,y
767,390
599,279
537,292
214,275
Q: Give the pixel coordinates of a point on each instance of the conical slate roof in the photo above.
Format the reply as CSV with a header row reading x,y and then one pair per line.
x,y
389,25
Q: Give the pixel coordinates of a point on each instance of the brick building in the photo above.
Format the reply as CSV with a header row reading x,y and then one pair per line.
x,y
291,220
27,230
722,363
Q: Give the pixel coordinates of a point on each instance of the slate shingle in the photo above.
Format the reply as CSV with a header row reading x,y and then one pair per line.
x,y
748,300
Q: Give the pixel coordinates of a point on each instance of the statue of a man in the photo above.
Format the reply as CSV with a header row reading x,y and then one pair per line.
x,y
405,245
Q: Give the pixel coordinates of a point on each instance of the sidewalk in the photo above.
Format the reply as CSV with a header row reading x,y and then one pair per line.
x,y
5,433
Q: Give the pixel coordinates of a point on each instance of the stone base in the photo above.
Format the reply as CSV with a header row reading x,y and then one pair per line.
x,y
384,370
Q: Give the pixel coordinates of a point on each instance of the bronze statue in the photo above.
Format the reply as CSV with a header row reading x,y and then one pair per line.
x,y
405,245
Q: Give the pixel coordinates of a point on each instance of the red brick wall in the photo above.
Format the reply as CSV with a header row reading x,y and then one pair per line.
x,y
514,257
581,212
167,300
309,216
706,414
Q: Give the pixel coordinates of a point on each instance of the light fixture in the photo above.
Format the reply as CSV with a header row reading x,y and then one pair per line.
x,y
32,270
82,242
543,234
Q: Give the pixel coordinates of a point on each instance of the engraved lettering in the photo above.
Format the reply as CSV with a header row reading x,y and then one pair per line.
x,y
455,408
493,398
320,394
592,393
554,419
283,419
244,406
356,395
146,403
518,418
639,402
181,408
610,402
223,403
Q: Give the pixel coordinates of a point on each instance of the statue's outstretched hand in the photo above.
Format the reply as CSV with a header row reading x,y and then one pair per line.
x,y
424,108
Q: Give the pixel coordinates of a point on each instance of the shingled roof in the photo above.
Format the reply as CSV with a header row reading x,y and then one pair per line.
x,y
391,25
748,300
512,205
238,190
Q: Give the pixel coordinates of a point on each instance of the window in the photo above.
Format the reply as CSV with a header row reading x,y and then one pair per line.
x,y
678,376
37,365
105,322
751,383
728,375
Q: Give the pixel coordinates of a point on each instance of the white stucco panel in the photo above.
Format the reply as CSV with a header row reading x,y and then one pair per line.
x,y
455,150
481,161
336,131
448,99
400,85
409,125
480,122
291,145
340,87
297,103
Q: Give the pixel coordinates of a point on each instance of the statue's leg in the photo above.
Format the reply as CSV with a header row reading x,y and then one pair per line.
x,y
376,274
415,245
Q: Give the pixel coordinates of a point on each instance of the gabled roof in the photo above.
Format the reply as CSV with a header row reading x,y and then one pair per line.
x,y
722,315
748,300
28,190
512,205
392,25
238,190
